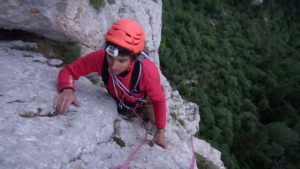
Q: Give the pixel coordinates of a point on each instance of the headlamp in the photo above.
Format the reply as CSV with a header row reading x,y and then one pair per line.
x,y
111,50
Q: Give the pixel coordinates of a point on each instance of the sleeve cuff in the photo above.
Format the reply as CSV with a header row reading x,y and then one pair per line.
x,y
66,88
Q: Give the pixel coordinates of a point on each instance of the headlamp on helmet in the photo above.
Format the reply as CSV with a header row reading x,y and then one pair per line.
x,y
111,50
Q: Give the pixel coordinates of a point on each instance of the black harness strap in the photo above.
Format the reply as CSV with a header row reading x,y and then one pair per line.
x,y
136,74
105,73
135,78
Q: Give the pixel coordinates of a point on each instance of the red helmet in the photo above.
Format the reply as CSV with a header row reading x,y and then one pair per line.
x,y
127,34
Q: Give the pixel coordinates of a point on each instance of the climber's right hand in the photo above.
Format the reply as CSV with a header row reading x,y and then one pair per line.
x,y
63,101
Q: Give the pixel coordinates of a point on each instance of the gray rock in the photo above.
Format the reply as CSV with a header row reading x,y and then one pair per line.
x,y
205,149
57,20
32,136
55,62
78,21
96,79
18,44
35,139
36,57
84,50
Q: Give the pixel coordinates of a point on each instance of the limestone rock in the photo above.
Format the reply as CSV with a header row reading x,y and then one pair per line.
x,y
18,44
55,62
32,136
57,20
78,21
96,79
211,154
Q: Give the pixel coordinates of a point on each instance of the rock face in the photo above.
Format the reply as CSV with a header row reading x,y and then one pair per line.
x,y
78,21
32,136
58,20
55,62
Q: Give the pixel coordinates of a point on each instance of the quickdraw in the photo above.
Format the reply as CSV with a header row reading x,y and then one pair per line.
x,y
126,92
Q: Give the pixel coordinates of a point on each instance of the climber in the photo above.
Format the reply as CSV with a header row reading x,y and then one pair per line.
x,y
117,61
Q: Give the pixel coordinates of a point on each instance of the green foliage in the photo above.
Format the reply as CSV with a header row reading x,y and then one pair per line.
x,y
119,141
98,3
203,163
247,72
68,52
209,42
282,135
181,121
274,150
174,116
264,105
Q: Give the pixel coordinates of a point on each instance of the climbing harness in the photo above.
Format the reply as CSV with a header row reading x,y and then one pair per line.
x,y
136,72
117,82
134,83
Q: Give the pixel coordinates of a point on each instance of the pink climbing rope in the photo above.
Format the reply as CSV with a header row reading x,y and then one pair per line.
x,y
128,161
194,156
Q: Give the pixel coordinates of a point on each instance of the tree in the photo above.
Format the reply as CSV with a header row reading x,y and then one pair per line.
x,y
247,72
282,135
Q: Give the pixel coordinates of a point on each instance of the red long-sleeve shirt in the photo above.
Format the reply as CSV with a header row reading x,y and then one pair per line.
x,y
149,82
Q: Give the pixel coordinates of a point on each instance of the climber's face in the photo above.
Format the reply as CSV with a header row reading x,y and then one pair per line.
x,y
119,64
